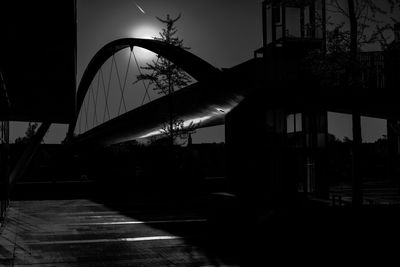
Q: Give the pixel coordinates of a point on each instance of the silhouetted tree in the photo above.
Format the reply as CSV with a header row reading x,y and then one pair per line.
x,y
365,23
166,77
357,23
361,15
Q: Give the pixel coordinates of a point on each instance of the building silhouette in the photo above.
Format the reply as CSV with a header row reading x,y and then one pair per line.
x,y
288,156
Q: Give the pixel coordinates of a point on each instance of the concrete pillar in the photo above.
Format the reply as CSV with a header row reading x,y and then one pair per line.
x,y
316,128
322,183
357,199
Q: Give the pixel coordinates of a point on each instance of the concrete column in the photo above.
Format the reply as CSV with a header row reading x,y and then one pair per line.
x,y
356,170
322,183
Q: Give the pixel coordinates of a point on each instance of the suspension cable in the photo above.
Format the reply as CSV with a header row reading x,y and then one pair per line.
x,y
126,76
105,95
140,72
148,85
95,98
108,88
119,83
91,88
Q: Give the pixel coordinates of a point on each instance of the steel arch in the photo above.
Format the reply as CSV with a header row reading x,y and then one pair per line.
x,y
192,64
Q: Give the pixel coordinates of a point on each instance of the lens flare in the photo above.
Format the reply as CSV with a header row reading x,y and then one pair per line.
x,y
144,31
141,9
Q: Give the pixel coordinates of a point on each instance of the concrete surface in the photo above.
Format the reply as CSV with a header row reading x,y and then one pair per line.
x,y
85,233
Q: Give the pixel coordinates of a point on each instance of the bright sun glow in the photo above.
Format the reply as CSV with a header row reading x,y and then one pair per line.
x,y
145,31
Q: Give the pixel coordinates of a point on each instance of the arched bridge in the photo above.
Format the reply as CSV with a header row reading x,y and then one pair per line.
x,y
205,102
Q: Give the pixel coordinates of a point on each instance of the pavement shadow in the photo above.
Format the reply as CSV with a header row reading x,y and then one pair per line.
x,y
236,234
230,232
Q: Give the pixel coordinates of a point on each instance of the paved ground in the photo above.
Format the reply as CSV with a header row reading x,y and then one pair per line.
x,y
81,232
84,233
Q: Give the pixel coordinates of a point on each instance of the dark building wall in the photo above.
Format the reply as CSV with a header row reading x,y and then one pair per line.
x,y
392,82
38,59
259,165
392,66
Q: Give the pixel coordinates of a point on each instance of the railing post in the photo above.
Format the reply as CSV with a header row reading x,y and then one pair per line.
x,y
357,198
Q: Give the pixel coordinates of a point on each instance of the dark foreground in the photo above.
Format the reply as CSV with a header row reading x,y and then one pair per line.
x,y
193,232
84,233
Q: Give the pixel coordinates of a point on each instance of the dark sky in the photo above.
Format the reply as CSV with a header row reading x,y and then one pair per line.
x,y
222,32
